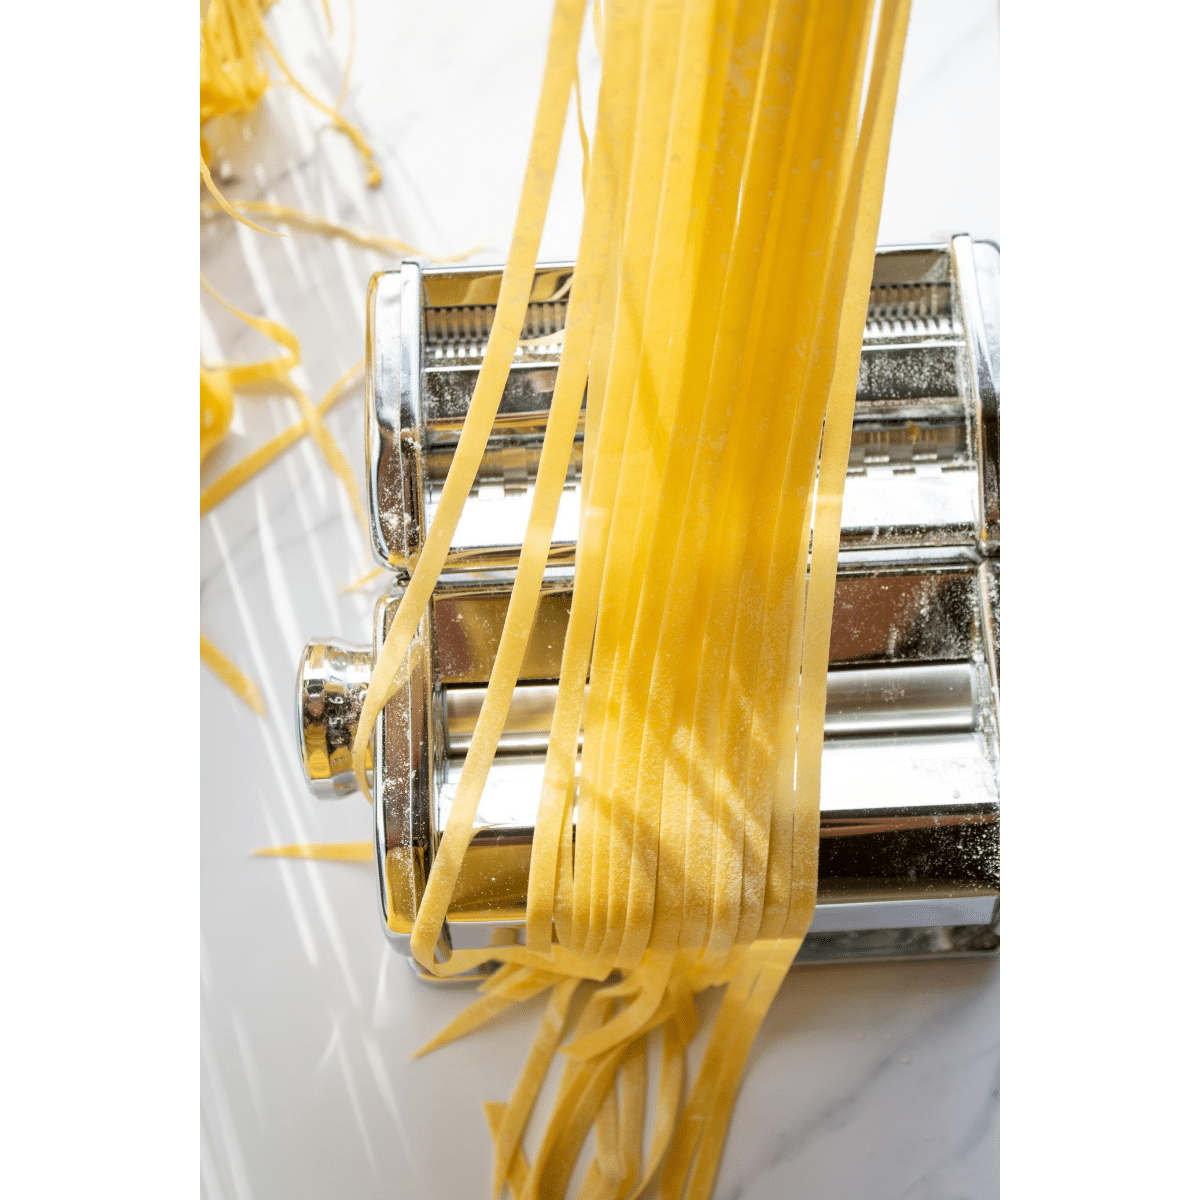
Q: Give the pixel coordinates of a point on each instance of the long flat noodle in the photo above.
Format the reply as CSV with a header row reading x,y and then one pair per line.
x,y
738,914
714,738
633,859
601,344
704,463
232,79
518,1167
551,830
619,1130
506,329
775,961
481,1011
712,209
374,175
216,409
593,1015
315,223
227,483
608,1144
502,973
793,527
551,1170
583,137
508,1133
693,576
617,503
714,267
865,199
557,447
268,369
782,784
352,40
651,766
564,880
666,1109
329,448
761,630
691,1130
595,1186
632,1083
682,1149
218,196
242,686
363,852
369,575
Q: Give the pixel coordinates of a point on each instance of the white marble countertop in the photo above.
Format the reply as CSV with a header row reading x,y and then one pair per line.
x,y
866,1082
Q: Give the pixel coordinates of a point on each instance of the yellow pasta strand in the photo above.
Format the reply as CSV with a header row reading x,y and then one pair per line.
x,y
549,888
506,330
633,831
219,197
507,1134
705,1117
666,1113
233,78
374,175
242,686
361,580
276,372
484,1009
227,483
732,203
230,481
268,369
608,1162
363,852
309,222
583,135
632,1115
332,452
352,42
216,409
867,180
557,446
518,1168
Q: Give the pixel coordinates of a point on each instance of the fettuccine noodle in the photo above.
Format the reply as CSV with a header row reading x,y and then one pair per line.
x,y
733,190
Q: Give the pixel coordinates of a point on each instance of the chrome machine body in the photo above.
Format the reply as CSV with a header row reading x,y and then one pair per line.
x,y
909,854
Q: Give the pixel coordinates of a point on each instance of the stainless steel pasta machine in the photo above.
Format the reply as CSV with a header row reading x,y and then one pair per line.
x,y
909,851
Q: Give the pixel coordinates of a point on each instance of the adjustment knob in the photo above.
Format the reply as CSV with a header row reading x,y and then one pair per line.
x,y
330,690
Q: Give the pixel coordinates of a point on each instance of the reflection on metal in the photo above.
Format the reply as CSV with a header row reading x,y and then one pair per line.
x,y
331,685
876,701
910,794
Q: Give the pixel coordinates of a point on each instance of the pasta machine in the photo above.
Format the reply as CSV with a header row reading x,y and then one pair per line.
x,y
909,844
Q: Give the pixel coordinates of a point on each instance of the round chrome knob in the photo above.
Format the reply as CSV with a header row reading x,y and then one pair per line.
x,y
330,689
